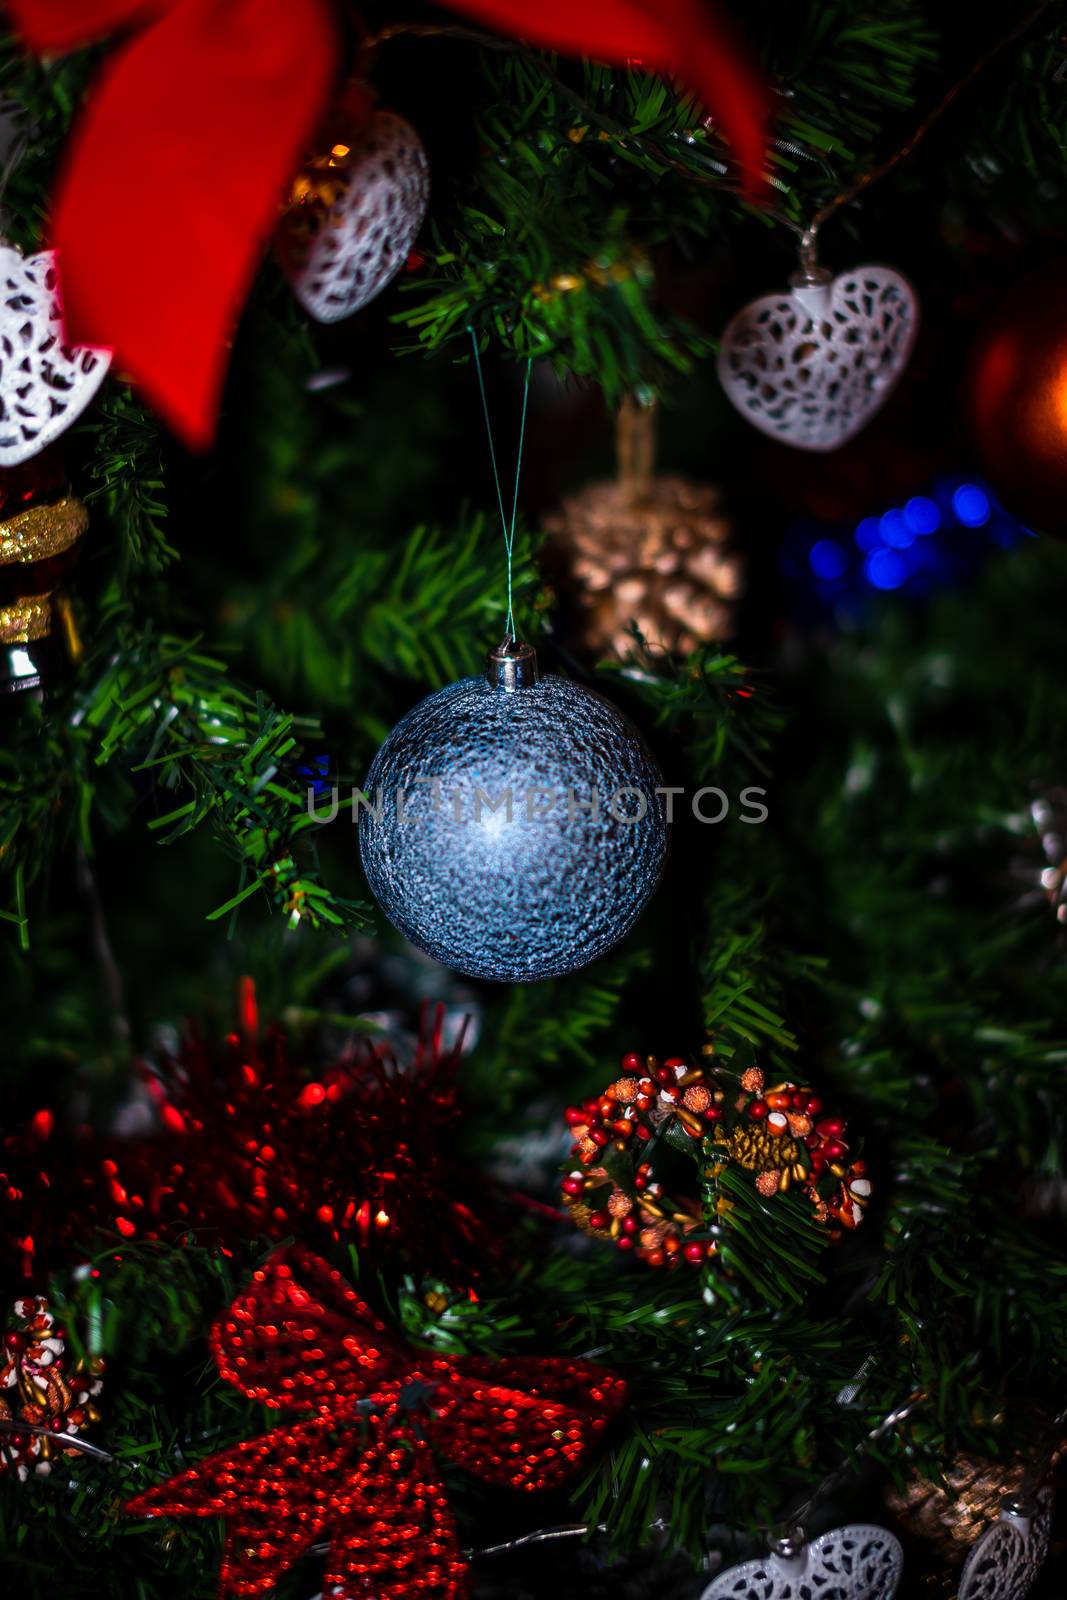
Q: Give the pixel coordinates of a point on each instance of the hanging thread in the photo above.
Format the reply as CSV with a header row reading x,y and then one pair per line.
x,y
507,526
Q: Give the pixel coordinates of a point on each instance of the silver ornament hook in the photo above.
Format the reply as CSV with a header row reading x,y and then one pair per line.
x,y
811,284
789,1548
512,665
808,254
1020,1509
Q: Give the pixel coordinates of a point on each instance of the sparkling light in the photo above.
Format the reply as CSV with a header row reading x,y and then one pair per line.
x,y
885,569
895,530
971,505
922,514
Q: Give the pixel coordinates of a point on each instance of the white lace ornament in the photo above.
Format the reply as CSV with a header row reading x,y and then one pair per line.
x,y
350,234
860,1562
45,384
1007,1558
812,366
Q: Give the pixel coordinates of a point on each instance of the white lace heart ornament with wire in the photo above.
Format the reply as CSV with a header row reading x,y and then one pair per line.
x,y
858,1562
45,383
349,237
810,367
1007,1558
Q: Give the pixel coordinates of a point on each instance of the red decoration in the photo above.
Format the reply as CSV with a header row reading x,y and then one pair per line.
x,y
1016,397
181,157
248,1143
361,1470
175,177
615,1194
686,39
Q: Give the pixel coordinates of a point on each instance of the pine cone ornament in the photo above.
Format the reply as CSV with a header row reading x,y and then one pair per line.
x,y
655,550
1033,876
948,1517
959,1522
1048,812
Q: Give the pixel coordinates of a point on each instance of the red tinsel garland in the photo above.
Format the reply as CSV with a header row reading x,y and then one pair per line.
x,y
250,1143
361,1472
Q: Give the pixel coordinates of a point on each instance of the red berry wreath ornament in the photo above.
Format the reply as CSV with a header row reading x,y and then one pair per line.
x,y
613,1188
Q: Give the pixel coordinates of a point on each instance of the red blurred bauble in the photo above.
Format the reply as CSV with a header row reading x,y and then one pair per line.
x,y
1016,397
251,1141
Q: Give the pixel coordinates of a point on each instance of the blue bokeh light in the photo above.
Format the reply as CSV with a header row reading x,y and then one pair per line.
x,y
922,514
895,531
885,569
971,505
828,559
868,534
926,541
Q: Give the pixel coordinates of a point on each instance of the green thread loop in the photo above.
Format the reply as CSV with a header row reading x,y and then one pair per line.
x,y
509,528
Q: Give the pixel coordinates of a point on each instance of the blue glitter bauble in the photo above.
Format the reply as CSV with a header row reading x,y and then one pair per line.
x,y
549,888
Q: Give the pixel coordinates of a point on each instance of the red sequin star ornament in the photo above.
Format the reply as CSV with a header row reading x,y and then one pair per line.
x,y
360,1470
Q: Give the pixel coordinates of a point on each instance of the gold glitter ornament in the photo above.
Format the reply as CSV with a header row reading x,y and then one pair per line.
x,y
42,531
649,549
27,619
40,528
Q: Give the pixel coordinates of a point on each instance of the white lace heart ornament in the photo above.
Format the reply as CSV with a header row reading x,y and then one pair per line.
x,y
812,366
1007,1558
858,1562
45,384
353,218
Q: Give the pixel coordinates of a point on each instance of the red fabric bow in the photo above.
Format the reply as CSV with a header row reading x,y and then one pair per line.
x,y
179,162
361,1469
